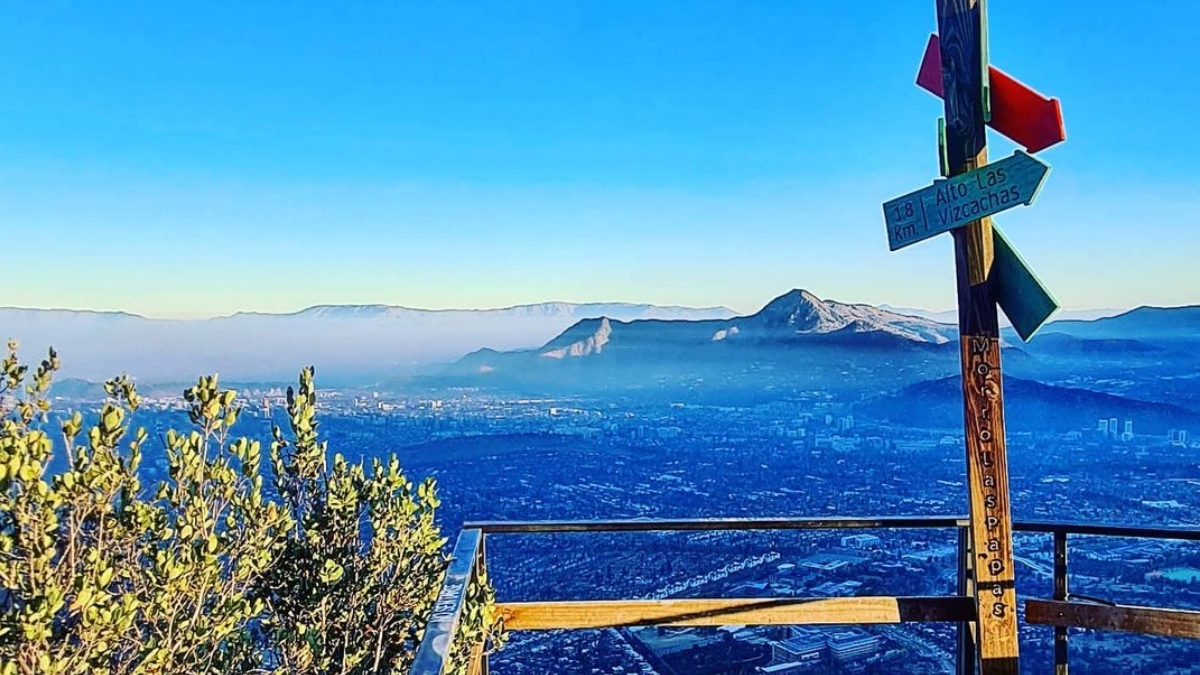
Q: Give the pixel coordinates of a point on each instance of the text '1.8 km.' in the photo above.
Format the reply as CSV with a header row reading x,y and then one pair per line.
x,y
954,202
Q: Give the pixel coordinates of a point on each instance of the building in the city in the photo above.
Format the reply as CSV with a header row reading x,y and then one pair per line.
x,y
852,645
801,647
861,541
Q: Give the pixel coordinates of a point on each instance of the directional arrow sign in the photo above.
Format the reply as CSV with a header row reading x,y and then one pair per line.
x,y
1024,299
954,202
1018,112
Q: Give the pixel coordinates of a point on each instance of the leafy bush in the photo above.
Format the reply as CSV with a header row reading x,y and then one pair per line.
x,y
335,572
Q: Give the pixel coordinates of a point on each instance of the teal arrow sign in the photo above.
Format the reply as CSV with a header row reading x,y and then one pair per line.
x,y
954,202
1025,302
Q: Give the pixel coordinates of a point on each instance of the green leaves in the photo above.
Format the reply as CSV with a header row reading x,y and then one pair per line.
x,y
331,572
207,572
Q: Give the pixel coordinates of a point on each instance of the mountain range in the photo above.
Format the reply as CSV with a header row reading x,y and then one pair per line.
x,y
1028,406
348,343
800,343
796,340
796,344
951,315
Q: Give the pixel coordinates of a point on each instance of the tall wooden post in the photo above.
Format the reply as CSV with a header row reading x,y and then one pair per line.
x,y
962,30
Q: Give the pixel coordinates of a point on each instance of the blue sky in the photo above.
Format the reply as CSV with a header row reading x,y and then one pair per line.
x,y
195,159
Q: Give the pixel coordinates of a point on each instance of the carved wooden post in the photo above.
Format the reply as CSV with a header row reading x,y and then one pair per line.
x,y
961,28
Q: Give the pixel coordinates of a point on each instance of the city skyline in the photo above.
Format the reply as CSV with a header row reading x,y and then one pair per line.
x,y
198,163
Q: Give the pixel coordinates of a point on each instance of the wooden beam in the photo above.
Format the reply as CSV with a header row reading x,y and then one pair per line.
x,y
478,664
719,612
963,51
1177,623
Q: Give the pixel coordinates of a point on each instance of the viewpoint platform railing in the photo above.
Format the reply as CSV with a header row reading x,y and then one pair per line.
x,y
1063,611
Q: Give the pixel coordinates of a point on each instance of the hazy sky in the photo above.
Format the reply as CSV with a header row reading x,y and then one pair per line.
x,y
193,159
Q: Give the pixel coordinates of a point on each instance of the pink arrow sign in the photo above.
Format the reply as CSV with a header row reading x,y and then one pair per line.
x,y
1018,112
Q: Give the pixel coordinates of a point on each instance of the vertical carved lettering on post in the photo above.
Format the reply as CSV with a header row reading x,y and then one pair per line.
x,y
961,26
991,520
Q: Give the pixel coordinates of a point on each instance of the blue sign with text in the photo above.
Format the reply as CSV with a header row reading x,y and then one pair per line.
x,y
953,202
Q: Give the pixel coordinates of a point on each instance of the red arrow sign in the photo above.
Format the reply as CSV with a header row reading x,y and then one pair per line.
x,y
1018,112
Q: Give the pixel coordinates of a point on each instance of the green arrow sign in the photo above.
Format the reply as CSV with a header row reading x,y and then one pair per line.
x,y
1025,302
954,202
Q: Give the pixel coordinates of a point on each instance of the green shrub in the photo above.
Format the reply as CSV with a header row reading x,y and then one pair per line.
x,y
210,572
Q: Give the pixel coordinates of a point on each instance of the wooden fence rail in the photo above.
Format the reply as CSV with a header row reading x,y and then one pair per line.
x,y
1062,612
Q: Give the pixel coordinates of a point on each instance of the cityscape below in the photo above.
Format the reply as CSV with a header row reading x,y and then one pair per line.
x,y
629,450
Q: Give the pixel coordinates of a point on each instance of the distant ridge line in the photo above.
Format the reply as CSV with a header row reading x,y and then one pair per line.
x,y
67,310
312,309
536,305
943,316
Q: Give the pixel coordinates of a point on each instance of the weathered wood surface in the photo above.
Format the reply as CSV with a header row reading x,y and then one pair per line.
x,y
1176,623
964,71
960,24
478,665
719,612
991,533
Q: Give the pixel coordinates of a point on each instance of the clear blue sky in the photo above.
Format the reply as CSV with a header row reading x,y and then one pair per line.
x,y
194,159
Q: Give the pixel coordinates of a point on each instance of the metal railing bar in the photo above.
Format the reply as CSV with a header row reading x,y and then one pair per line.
x,y
1137,532
965,656
1062,593
837,523
715,524
433,653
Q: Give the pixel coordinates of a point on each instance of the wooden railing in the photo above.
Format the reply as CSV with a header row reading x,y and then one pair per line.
x,y
1063,611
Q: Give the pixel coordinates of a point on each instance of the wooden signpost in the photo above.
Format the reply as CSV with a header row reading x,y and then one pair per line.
x,y
989,273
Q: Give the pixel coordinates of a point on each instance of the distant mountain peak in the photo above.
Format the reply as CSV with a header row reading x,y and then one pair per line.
x,y
586,338
799,310
802,312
